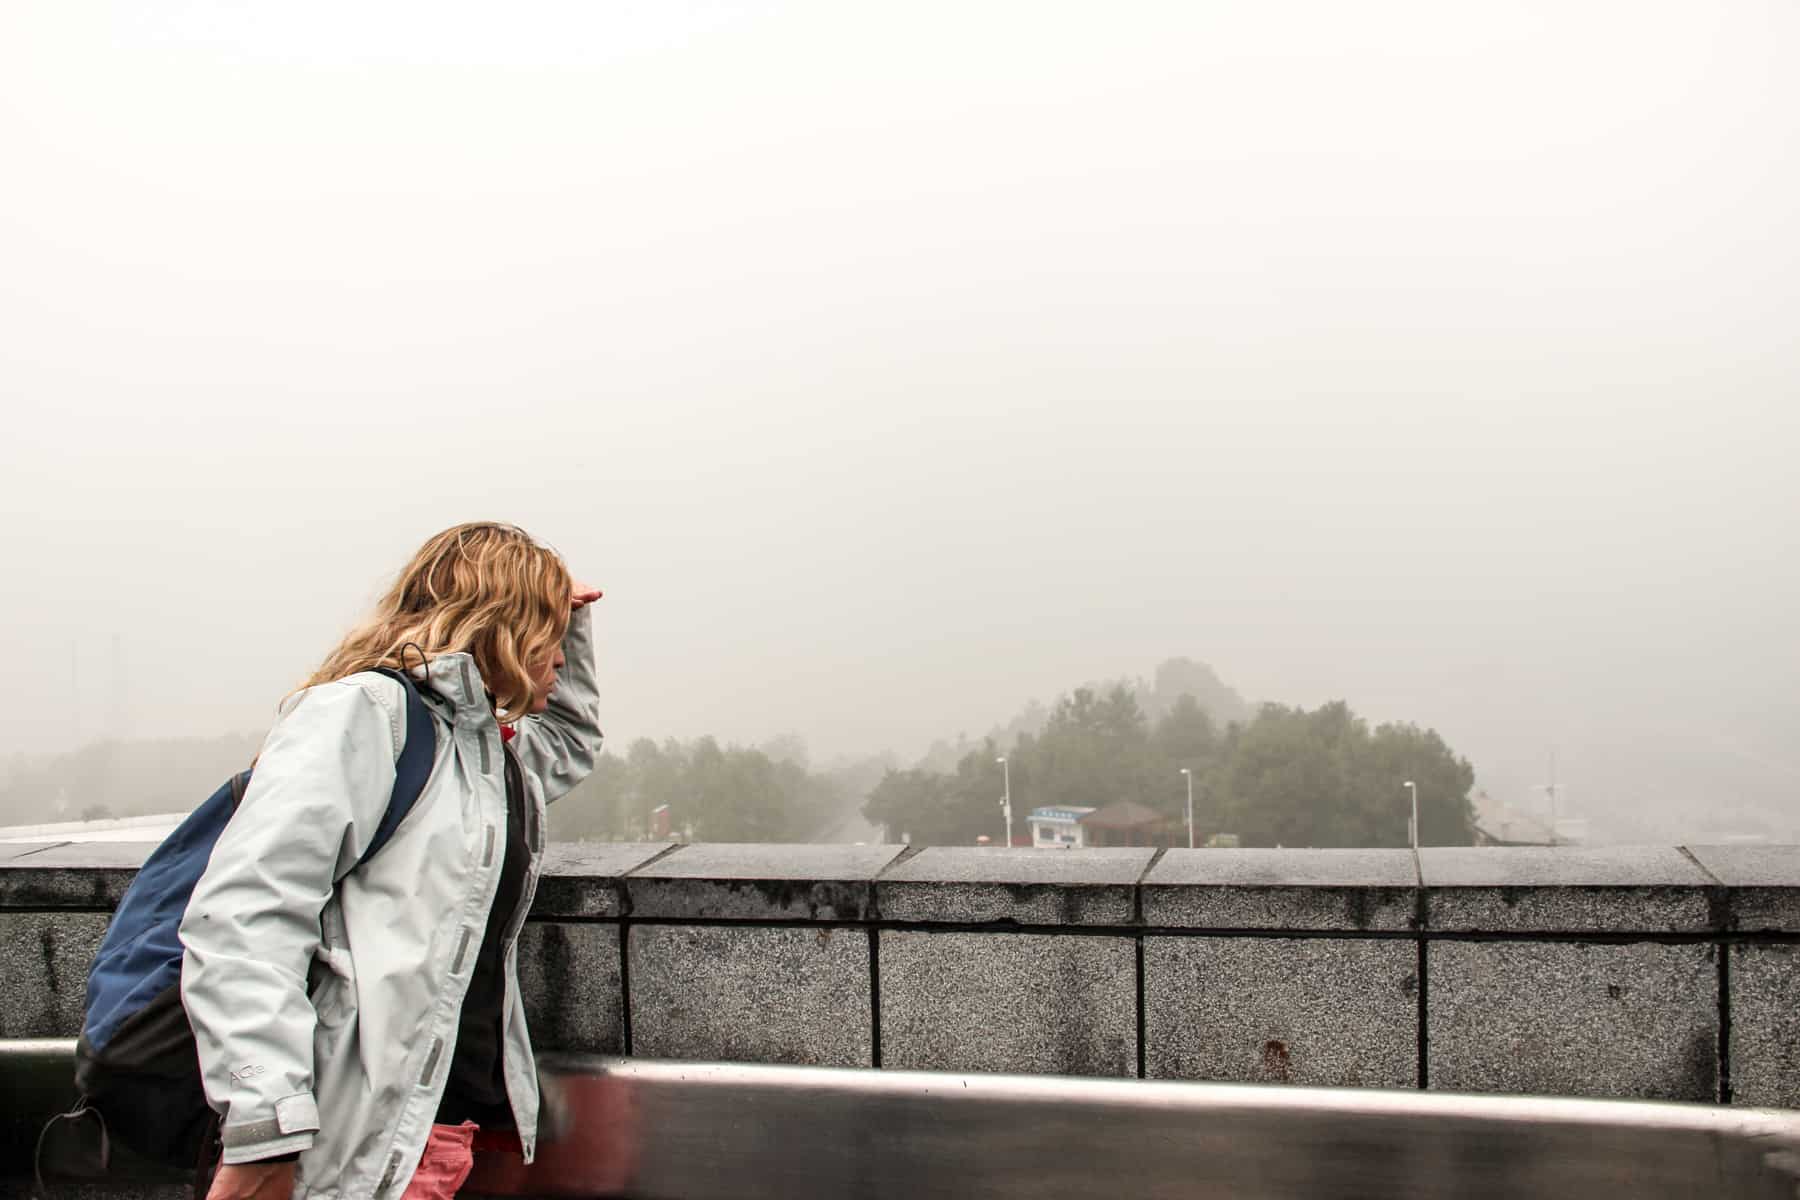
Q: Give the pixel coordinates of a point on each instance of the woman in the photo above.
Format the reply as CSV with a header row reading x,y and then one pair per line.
x,y
355,1027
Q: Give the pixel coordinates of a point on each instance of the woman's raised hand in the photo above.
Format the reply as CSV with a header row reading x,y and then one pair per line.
x,y
581,595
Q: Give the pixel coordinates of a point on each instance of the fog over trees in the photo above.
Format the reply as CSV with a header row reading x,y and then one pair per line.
x,y
901,371
1284,777
1270,775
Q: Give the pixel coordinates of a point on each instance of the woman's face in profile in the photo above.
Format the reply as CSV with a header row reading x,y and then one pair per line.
x,y
544,675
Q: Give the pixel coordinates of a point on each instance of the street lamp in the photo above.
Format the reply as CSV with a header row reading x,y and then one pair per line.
x,y
1412,787
1006,802
1190,783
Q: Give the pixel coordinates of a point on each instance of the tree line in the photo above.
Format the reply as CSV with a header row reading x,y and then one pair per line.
x,y
1274,775
1283,777
711,793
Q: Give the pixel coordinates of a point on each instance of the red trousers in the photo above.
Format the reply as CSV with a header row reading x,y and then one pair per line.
x,y
448,1158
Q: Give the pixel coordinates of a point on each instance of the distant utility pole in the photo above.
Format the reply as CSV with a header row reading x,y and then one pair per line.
x,y
1412,787
115,702
75,687
1190,809
1549,790
1006,799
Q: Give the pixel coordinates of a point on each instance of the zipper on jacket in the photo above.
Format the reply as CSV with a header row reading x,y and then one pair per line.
x,y
534,841
487,763
487,855
528,809
534,826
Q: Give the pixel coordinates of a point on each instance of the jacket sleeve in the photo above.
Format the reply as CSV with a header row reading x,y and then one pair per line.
x,y
319,791
561,744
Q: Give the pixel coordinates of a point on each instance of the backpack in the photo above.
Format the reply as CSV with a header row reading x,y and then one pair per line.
x,y
136,1064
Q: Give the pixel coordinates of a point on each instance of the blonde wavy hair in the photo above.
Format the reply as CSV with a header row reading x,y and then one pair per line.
x,y
484,588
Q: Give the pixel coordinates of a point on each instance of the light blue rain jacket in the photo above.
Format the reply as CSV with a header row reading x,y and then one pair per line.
x,y
324,1000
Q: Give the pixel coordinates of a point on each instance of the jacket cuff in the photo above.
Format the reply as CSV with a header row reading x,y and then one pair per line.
x,y
274,1149
290,1130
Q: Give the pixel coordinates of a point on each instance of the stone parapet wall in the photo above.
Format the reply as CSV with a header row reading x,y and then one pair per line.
x,y
1653,972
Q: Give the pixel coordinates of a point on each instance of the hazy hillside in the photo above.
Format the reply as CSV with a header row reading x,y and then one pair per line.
x,y
121,778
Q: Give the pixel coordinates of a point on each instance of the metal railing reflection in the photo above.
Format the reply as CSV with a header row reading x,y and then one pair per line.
x,y
700,1131
696,1131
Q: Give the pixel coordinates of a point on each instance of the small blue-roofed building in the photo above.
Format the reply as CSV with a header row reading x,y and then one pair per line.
x,y
1058,828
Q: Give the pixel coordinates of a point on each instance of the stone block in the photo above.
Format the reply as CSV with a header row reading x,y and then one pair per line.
x,y
1282,889
586,879
16,849
1762,884
1765,1024
1638,1019
569,976
1053,1004
1325,1012
972,885
750,994
44,959
1567,889
78,875
758,882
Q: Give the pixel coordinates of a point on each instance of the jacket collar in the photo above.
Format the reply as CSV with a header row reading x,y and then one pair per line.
x,y
455,680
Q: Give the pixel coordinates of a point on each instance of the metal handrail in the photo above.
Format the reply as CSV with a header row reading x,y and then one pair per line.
x,y
733,1131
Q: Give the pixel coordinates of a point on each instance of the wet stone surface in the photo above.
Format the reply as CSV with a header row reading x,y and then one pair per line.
x,y
44,960
585,879
1566,889
1763,884
1370,890
569,978
1765,1024
1037,1003
1574,1019
968,885
80,875
745,994
1326,1012
752,882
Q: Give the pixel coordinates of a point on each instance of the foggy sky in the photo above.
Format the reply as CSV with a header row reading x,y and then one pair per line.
x,y
889,366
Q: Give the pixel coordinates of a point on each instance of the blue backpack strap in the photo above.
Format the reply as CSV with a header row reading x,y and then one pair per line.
x,y
412,768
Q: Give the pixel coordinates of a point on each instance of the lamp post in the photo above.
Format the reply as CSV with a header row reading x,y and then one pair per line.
x,y
1412,787
1006,801
1190,787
